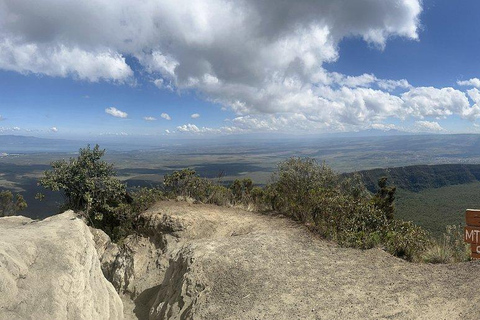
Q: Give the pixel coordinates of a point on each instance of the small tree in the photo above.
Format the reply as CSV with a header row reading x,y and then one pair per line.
x,y
384,198
10,204
88,184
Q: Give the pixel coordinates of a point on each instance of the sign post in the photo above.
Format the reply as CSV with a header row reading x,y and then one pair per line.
x,y
472,232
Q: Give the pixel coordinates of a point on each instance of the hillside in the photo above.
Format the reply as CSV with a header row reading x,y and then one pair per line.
x,y
432,196
421,177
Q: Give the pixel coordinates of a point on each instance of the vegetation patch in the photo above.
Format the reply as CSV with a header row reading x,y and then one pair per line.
x,y
338,207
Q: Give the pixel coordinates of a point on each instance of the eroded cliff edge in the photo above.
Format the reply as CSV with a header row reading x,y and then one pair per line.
x,y
194,261
50,269
197,261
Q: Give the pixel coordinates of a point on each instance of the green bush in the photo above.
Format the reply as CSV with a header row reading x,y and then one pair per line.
x,y
11,204
341,209
186,183
406,240
87,182
294,182
127,213
89,186
449,248
241,191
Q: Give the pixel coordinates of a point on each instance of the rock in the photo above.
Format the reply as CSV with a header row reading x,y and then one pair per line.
x,y
50,269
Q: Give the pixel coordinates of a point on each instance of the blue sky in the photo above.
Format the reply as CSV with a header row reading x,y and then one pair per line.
x,y
164,68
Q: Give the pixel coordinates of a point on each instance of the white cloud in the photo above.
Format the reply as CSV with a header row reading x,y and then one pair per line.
x,y
428,101
121,134
62,61
167,131
265,62
1,118
53,129
365,80
474,82
182,43
16,128
165,116
427,126
116,113
193,129
195,116
149,118
7,129
391,85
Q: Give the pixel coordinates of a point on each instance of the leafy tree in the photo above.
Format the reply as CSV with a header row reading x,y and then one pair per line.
x,y
88,184
384,198
10,204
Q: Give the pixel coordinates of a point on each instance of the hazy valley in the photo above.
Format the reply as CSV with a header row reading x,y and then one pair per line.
x,y
430,196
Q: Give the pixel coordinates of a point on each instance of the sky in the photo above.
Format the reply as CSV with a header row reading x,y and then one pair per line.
x,y
177,68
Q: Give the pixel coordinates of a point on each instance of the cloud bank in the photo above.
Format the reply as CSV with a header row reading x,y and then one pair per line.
x,y
264,60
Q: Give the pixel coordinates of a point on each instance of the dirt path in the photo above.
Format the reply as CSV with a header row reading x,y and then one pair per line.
x,y
244,265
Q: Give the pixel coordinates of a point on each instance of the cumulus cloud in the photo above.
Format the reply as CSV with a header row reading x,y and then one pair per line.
x,y
427,126
165,116
474,82
193,129
53,129
9,129
440,103
195,116
149,118
116,113
265,62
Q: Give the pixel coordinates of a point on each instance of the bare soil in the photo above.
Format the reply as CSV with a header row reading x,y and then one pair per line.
x,y
244,265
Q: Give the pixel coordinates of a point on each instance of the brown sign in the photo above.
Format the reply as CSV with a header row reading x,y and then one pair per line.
x,y
472,232
472,217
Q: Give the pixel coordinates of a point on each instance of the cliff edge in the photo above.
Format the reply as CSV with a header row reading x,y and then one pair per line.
x,y
195,261
209,262
50,269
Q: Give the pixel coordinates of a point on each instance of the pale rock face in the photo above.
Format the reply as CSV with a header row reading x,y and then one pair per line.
x,y
50,269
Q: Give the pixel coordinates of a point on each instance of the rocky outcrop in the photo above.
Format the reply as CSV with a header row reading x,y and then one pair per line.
x,y
194,261
50,270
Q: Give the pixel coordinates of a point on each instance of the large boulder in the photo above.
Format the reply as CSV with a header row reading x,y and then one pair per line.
x,y
50,269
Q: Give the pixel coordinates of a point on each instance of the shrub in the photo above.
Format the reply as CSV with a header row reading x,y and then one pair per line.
x,y
186,183
449,248
341,209
294,182
11,204
127,213
88,185
406,240
241,191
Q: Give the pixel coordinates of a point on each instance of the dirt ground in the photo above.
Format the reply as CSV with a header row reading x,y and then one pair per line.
x,y
244,265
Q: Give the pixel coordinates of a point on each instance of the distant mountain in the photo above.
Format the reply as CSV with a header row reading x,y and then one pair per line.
x,y
28,144
420,177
